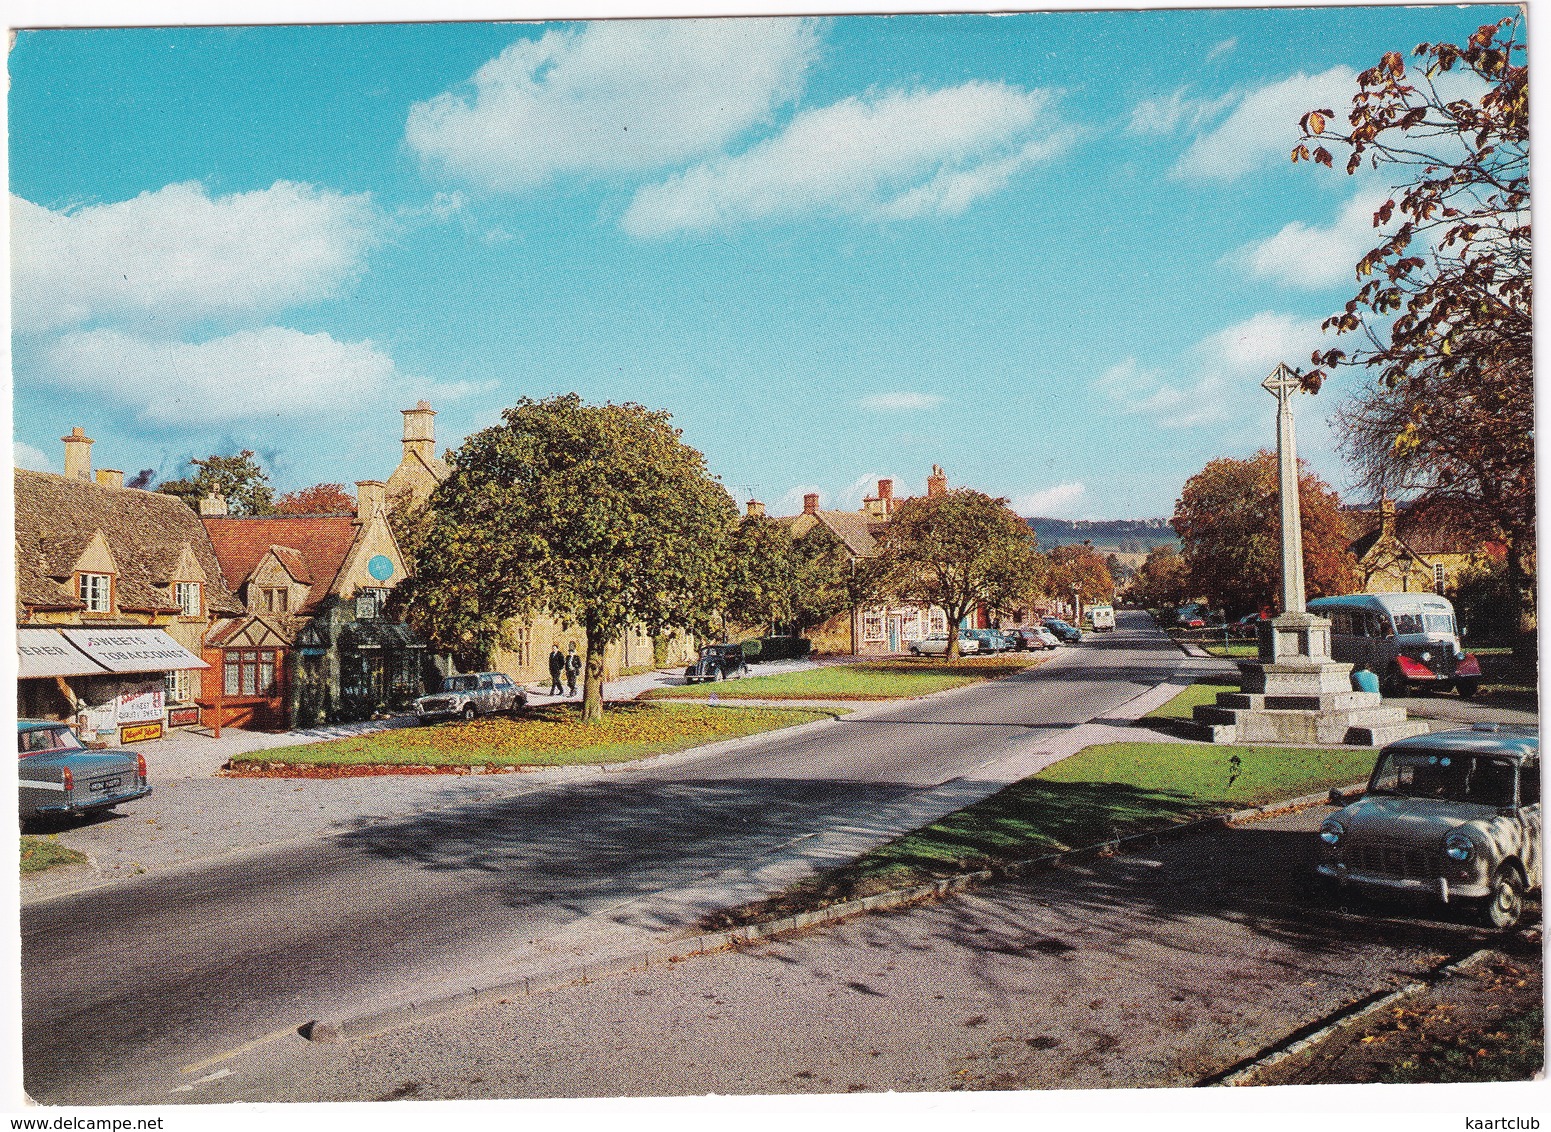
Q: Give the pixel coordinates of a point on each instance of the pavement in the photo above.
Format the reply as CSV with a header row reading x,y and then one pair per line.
x,y
324,912
1152,970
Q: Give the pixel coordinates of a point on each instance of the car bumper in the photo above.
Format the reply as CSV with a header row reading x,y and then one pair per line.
x,y
1434,888
74,807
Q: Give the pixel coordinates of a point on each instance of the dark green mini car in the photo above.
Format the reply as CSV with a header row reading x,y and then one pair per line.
x,y
58,777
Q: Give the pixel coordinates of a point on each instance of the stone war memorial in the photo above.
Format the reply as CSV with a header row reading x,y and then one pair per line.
x,y
1294,692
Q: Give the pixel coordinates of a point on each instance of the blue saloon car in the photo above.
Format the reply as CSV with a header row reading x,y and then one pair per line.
x,y
58,777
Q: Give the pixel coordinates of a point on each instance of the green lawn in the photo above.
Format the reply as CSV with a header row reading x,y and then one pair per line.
x,y
1098,794
547,736
39,853
874,680
1232,649
1196,694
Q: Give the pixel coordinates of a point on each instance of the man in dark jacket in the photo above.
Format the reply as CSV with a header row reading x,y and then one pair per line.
x,y
556,668
573,668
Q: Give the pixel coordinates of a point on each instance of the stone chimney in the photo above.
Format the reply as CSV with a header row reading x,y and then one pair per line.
x,y
756,509
371,497
810,503
78,454
420,431
213,506
1386,516
110,477
937,482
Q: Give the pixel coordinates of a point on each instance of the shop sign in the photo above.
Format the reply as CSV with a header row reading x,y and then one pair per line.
x,y
141,707
133,650
43,653
183,717
139,732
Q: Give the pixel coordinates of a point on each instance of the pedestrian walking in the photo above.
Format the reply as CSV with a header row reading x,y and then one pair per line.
x,y
556,668
573,668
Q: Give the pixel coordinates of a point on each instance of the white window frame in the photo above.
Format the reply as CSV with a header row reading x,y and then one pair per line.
x,y
180,686
873,627
190,600
96,591
939,622
1440,576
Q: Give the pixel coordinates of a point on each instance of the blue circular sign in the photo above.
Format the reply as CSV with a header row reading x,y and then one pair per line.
x,y
380,567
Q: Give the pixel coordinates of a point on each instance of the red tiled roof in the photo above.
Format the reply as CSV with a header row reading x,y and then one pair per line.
x,y
294,563
320,542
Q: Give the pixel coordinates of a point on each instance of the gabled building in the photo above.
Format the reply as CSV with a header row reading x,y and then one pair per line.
x,y
312,641
116,593
1403,550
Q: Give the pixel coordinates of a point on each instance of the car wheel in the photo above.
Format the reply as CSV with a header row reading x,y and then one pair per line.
x,y
1467,688
1504,904
1393,684
914,651
469,713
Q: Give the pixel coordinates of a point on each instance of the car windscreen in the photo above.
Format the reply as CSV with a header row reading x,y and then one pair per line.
x,y
1446,776
1439,622
39,739
1408,623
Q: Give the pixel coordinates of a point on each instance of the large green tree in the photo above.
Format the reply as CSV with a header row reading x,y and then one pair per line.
x,y
759,584
1163,579
1443,317
1229,522
957,550
596,514
1079,567
239,479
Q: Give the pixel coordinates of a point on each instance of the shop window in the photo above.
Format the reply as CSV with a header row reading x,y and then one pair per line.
x,y
872,627
180,687
97,592
187,596
250,672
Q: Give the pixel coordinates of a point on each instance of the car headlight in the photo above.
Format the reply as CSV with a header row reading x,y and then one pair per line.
x,y
1458,846
1331,831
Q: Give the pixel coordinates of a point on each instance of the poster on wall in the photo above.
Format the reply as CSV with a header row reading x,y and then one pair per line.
x,y
142,706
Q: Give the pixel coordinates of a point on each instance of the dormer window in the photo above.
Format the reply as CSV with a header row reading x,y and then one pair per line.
x,y
187,595
96,592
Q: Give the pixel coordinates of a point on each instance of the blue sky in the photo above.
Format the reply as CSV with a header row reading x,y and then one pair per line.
x,y
1054,252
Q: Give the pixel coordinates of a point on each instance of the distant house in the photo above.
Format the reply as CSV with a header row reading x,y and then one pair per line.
x,y
1401,549
879,628
117,591
312,641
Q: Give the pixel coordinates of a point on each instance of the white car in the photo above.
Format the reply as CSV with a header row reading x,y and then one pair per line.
x,y
472,695
937,645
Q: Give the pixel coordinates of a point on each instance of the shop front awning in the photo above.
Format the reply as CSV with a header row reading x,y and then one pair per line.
x,y
368,635
132,650
44,652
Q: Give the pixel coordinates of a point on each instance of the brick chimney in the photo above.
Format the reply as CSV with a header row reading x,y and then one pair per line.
x,y
371,497
420,430
110,477
937,482
810,503
78,454
756,509
213,506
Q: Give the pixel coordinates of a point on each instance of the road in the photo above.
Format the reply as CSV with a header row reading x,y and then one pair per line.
x,y
127,983
1154,969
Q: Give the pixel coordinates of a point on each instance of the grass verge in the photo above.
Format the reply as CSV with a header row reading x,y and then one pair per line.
x,y
896,678
39,853
1096,795
1195,695
1234,649
546,736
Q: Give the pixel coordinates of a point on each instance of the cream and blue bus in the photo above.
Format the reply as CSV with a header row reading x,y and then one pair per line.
x,y
1404,639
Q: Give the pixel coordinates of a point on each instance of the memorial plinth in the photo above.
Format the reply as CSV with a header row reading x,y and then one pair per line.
x,y
1295,692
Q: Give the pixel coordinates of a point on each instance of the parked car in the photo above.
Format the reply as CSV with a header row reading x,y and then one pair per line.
x,y
1049,639
936,644
1404,638
991,640
1453,816
58,777
471,695
1026,638
1067,634
718,662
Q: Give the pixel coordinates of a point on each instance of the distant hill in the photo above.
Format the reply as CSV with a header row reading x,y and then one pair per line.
x,y
1109,536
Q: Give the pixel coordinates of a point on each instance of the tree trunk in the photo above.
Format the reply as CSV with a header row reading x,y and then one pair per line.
x,y
592,674
1521,581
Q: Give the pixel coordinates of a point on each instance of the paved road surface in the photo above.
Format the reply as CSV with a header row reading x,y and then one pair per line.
x,y
1154,969
129,982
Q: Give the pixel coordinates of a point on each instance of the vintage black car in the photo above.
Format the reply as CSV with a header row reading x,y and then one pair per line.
x,y
718,662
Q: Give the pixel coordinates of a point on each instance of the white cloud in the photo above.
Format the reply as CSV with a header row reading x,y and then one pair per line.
x,y
792,502
894,155
1179,111
616,96
901,402
177,255
1301,255
1219,378
1222,48
1054,502
849,498
252,374
24,455
1263,128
